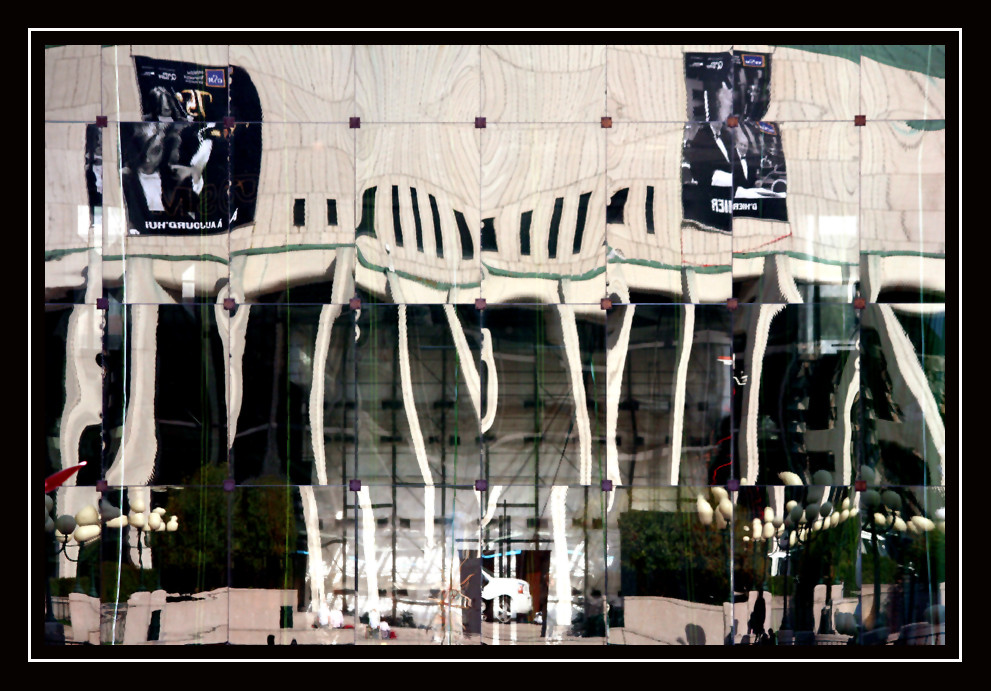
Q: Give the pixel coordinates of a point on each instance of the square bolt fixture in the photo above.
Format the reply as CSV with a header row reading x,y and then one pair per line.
x,y
732,304
859,120
732,484
859,303
229,484
605,304
354,485
229,304
229,122
481,485
101,120
102,486
732,121
860,485
606,123
607,485
354,123
479,303
355,303
102,303
479,123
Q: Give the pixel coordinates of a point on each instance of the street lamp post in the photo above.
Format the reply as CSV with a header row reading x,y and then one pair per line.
x,y
800,525
146,523
803,524
882,513
83,528
86,528
718,519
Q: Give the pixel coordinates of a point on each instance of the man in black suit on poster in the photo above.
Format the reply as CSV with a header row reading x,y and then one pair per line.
x,y
730,170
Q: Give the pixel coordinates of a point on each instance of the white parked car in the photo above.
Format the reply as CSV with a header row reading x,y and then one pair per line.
x,y
510,596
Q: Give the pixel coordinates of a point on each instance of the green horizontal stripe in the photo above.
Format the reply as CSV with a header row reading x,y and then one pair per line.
x,y
290,248
851,53
541,274
169,257
714,269
906,253
926,125
928,60
793,255
809,257
423,281
53,255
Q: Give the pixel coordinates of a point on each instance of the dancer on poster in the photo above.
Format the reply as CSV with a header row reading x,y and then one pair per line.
x,y
179,163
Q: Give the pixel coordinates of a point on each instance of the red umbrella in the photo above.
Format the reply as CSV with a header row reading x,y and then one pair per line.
x,y
56,480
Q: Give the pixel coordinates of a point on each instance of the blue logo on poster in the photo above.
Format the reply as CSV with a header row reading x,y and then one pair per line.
x,y
753,60
766,127
215,78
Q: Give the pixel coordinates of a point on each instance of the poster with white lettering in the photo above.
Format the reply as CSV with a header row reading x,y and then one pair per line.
x,y
180,172
733,164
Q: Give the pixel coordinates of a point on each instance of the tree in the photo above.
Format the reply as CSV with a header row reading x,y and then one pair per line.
x,y
260,518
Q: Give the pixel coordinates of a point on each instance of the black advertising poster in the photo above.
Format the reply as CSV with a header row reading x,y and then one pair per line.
x,y
728,170
184,172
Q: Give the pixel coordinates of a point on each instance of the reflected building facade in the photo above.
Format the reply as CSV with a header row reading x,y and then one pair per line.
x,y
476,345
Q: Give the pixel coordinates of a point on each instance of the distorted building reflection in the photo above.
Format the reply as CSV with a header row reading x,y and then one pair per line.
x,y
444,379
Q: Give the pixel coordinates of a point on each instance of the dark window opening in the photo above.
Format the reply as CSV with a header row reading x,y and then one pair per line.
x,y
821,460
332,212
367,225
299,213
525,232
397,225
155,625
614,212
580,225
285,617
467,246
555,227
650,209
416,220
489,235
484,378
438,235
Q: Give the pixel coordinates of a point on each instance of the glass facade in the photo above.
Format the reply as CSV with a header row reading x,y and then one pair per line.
x,y
570,345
